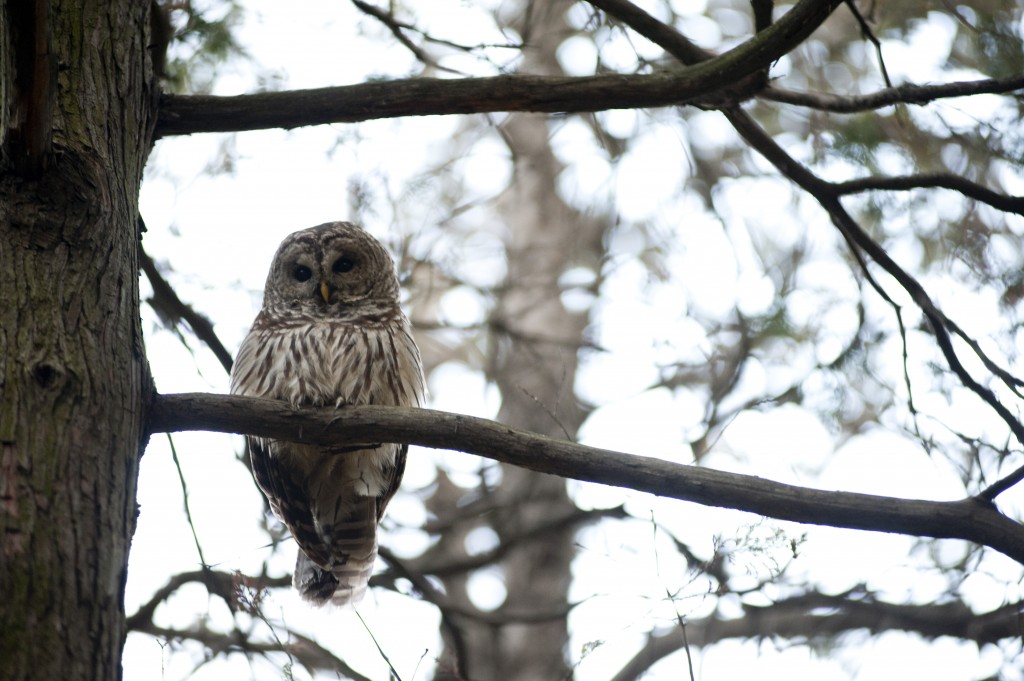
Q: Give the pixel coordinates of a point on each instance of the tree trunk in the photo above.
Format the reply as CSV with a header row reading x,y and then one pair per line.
x,y
78,103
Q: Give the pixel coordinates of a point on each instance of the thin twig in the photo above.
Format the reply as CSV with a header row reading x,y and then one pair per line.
x,y
380,650
308,652
853,232
455,637
672,599
868,34
397,29
184,497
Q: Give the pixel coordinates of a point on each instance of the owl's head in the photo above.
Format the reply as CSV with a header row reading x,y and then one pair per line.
x,y
332,270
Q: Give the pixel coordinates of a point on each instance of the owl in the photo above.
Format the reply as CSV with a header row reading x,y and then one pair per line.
x,y
330,333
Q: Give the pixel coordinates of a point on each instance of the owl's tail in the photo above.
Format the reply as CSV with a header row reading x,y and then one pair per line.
x,y
352,542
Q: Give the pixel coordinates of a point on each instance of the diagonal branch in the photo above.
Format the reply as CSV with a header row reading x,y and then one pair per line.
x,y
173,310
188,114
970,519
398,31
828,196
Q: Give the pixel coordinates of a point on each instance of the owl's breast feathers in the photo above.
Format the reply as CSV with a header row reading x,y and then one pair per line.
x,y
331,498
330,362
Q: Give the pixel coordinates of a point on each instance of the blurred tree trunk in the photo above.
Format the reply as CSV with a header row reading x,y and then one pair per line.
x,y
533,361
78,106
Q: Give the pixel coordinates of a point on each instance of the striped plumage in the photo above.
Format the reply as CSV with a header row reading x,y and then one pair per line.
x,y
331,332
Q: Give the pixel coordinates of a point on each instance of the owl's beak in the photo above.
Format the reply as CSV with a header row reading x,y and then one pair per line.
x,y
325,292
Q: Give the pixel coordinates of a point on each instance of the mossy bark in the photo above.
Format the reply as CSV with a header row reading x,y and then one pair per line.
x,y
78,105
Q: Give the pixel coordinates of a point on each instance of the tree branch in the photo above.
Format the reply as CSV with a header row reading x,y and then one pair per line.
x,y
538,532
398,31
970,519
173,310
973,190
310,654
829,197
901,94
187,114
217,583
816,616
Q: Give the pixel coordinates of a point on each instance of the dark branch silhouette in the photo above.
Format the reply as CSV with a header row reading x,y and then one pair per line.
x,y
187,114
173,310
861,243
973,190
971,519
816,616
901,94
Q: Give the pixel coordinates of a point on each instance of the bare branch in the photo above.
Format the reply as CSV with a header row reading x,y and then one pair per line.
x,y
221,584
869,35
970,519
173,310
310,654
901,94
829,199
1010,204
859,240
227,586
1002,484
539,532
188,114
398,29
654,30
183,115
817,616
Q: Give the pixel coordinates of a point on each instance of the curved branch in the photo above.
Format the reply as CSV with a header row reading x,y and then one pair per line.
x,y
1009,204
901,94
307,652
970,519
813,616
221,584
187,114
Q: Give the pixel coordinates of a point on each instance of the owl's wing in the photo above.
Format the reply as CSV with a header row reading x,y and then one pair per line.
x,y
393,473
287,497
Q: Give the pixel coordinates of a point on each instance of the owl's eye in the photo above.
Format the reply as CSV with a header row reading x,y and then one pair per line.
x,y
342,265
302,273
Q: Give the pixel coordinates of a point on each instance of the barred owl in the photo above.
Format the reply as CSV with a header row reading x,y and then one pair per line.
x,y
331,332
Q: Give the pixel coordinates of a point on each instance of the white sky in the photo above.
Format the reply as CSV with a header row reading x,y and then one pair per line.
x,y
219,232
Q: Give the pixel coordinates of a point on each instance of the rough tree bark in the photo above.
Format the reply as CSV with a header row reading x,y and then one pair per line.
x,y
78,106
